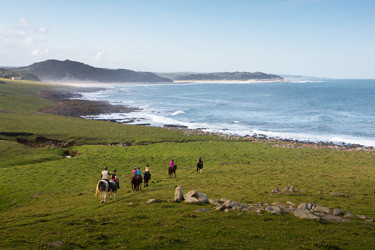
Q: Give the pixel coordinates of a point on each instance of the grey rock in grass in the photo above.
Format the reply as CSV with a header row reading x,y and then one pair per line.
x,y
290,203
279,204
361,217
303,213
178,194
56,244
285,190
202,210
221,208
338,212
276,191
153,200
290,210
227,210
325,210
303,205
291,189
202,197
192,193
274,210
333,218
370,220
349,215
191,199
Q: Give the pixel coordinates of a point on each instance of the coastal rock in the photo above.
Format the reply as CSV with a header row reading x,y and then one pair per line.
x,y
191,199
349,215
325,210
338,212
303,213
202,210
361,217
192,193
178,194
151,201
274,210
202,197
333,218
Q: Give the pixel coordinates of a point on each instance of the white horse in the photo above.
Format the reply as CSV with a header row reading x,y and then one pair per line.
x,y
102,189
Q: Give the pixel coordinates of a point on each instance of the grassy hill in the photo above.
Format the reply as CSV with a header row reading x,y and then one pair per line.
x,y
48,200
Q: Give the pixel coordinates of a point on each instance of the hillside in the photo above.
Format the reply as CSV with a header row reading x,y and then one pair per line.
x,y
48,201
220,76
19,75
55,71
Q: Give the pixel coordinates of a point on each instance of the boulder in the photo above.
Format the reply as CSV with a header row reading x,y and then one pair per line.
x,y
202,197
333,218
303,213
303,205
338,212
220,208
190,194
178,194
361,217
285,190
325,210
274,210
202,210
349,215
191,199
151,201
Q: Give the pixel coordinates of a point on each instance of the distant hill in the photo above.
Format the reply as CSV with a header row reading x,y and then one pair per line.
x,y
54,71
19,75
220,76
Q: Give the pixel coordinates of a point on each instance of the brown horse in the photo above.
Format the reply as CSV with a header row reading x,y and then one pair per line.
x,y
146,178
172,170
199,167
136,183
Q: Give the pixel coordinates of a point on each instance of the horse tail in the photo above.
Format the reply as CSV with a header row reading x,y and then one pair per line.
x,y
97,189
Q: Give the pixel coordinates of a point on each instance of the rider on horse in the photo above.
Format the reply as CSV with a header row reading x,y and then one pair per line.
x,y
199,165
135,171
171,163
114,178
105,175
139,175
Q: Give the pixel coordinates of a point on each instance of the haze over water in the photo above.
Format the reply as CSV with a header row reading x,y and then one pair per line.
x,y
339,111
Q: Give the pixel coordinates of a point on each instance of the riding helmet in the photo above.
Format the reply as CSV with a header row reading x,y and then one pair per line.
x,y
114,170
105,168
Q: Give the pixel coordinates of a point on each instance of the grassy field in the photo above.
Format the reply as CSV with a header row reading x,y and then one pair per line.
x,y
46,198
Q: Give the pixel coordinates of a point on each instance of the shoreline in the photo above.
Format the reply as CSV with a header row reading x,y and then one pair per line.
x,y
67,105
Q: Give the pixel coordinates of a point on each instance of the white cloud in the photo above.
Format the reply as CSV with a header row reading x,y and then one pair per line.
x,y
42,30
99,55
35,52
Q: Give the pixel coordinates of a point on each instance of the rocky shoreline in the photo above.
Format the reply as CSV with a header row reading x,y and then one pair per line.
x,y
67,106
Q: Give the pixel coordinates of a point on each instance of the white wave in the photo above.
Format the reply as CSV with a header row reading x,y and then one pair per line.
x,y
178,112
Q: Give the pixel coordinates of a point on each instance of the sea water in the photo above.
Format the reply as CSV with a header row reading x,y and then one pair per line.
x,y
338,111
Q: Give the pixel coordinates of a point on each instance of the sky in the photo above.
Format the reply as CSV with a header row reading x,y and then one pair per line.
x,y
321,38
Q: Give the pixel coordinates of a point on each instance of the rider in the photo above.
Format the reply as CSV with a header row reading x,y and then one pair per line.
x,y
171,163
114,178
105,175
139,175
199,164
147,168
135,171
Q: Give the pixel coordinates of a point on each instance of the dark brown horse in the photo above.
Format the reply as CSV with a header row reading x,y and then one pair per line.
x,y
199,167
172,170
136,183
146,178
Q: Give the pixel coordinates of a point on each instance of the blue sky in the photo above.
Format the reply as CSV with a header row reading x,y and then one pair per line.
x,y
323,38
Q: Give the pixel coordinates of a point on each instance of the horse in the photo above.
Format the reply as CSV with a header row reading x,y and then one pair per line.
x,y
102,189
199,167
172,170
136,183
146,177
112,189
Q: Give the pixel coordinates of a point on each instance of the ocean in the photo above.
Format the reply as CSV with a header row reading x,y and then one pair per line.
x,y
338,111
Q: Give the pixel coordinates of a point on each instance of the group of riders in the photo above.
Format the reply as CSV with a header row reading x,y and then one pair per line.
x,y
137,172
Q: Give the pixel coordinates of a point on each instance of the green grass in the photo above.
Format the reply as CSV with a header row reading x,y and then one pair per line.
x,y
54,196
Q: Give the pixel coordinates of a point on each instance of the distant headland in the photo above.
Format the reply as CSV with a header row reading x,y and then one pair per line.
x,y
70,71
